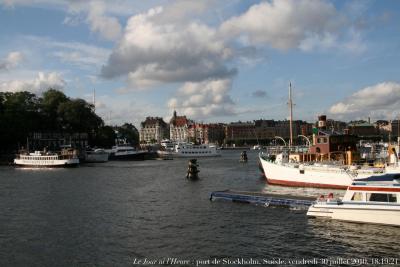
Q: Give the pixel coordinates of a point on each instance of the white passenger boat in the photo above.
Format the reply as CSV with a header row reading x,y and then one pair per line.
x,y
46,159
187,150
364,202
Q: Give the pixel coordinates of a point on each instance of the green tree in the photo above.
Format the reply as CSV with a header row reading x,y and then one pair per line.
x,y
19,115
50,102
105,137
78,116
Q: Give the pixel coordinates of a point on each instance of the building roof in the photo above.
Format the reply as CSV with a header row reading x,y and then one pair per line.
x,y
361,124
152,121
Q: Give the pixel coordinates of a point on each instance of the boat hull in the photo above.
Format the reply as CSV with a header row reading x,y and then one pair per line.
x,y
278,174
357,213
131,156
62,163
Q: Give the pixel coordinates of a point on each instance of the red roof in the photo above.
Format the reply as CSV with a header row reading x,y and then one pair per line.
x,y
181,121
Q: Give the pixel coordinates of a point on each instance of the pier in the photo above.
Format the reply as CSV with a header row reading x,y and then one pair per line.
x,y
263,199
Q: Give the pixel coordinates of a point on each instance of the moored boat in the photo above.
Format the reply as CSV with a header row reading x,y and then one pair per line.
x,y
328,161
279,170
126,152
364,202
40,159
188,150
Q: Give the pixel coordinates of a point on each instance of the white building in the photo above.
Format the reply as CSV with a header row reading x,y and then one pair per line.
x,y
179,128
153,130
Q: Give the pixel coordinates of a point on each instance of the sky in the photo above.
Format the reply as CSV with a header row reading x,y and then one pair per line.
x,y
211,60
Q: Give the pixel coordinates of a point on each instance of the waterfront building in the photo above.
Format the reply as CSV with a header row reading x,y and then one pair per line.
x,y
394,128
334,125
211,133
269,129
153,130
264,129
363,130
238,132
384,128
179,128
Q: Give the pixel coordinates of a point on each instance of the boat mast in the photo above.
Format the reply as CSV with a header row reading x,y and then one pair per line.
x,y
291,114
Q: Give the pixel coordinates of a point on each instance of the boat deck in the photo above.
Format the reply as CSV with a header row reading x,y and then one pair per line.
x,y
263,198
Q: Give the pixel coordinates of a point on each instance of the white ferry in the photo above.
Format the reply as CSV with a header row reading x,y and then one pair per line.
x,y
188,150
47,159
364,202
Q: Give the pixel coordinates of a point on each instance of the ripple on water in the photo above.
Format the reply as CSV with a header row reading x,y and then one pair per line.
x,y
108,214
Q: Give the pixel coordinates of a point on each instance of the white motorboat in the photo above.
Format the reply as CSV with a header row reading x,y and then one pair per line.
x,y
40,159
126,152
364,202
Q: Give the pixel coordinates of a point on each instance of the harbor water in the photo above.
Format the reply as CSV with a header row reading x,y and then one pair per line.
x,y
125,213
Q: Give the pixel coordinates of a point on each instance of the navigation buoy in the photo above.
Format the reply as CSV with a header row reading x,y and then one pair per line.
x,y
192,172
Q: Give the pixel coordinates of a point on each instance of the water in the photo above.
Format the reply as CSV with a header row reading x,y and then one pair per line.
x,y
116,213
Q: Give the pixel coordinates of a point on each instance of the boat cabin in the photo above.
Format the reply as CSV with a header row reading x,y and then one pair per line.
x,y
369,192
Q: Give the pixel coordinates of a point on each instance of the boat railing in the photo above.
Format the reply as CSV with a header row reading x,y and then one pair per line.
x,y
289,149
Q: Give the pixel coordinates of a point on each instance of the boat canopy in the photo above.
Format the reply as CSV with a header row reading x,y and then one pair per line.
x,y
381,178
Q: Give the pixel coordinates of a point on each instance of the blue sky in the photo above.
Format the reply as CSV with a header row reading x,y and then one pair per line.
x,y
214,61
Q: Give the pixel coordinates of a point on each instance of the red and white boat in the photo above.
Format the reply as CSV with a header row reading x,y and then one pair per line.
x,y
327,162
364,202
279,170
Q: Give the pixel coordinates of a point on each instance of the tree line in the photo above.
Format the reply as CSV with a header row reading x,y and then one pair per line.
x,y
23,113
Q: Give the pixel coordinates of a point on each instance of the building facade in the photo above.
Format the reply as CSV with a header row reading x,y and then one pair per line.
x,y
237,132
153,130
179,128
212,133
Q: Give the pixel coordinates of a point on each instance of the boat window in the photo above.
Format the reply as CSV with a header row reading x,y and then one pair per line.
x,y
358,196
379,197
392,198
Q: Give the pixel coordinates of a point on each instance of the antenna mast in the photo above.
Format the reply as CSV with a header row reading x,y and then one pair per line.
x,y
94,100
291,114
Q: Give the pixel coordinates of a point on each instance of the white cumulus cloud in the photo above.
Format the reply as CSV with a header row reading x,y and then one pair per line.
x,y
284,24
201,100
41,83
152,52
11,61
108,27
379,101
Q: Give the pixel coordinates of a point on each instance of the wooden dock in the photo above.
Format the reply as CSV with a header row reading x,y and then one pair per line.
x,y
263,199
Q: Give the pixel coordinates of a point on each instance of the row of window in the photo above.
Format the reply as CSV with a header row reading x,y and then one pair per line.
x,y
197,152
41,158
375,197
194,147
